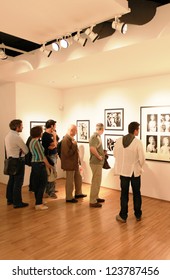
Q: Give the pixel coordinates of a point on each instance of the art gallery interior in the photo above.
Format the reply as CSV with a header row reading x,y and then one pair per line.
x,y
126,71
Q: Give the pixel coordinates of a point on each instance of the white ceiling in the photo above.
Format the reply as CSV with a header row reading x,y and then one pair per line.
x,y
144,50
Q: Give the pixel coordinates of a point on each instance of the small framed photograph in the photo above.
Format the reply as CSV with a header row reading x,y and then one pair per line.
x,y
114,119
37,123
83,131
155,132
109,142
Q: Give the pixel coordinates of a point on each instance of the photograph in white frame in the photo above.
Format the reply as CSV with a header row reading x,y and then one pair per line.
x,y
114,119
83,131
155,132
109,142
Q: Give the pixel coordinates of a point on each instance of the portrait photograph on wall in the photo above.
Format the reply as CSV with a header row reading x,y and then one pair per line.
x,y
155,132
109,142
114,119
37,123
83,131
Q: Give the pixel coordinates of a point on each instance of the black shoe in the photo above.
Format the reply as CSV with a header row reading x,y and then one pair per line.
x,y
21,205
100,200
80,195
9,202
73,200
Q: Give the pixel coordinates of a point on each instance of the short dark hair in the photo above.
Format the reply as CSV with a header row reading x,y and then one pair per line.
x,y
14,124
36,131
133,126
49,123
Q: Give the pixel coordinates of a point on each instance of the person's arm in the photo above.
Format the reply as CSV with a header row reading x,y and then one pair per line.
x,y
54,143
94,151
41,154
141,154
22,146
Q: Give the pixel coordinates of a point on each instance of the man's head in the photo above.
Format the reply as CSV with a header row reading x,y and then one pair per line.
x,y
16,125
72,130
133,128
99,128
50,124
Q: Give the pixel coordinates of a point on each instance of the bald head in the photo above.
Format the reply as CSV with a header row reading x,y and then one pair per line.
x,y
72,130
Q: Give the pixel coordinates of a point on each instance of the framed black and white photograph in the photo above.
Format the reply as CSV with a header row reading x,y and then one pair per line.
x,y
114,119
109,142
83,131
155,132
37,123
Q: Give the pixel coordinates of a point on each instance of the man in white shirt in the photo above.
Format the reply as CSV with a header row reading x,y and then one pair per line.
x,y
129,160
15,147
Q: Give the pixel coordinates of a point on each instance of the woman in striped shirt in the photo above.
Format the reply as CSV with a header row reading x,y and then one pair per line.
x,y
39,163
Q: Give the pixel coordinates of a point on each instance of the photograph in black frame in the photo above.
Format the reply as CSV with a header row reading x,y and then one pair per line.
x,y
83,131
37,123
114,119
109,142
155,132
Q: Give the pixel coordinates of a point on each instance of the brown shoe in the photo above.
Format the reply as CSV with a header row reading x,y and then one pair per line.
x,y
95,205
119,219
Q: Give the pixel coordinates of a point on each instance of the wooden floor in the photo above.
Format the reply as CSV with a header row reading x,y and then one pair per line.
x,y
76,232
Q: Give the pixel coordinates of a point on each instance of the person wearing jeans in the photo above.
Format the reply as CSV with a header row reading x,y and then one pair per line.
x,y
129,160
137,200
15,147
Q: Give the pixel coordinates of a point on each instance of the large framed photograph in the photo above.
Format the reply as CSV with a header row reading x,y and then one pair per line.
x,y
37,123
83,131
114,119
109,143
155,132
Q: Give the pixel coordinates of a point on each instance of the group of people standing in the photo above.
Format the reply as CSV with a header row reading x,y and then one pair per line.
x,y
129,161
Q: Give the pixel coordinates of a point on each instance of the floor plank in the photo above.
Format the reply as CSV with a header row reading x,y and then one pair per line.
x,y
75,231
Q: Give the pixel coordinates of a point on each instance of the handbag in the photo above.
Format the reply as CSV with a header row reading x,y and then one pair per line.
x,y
12,166
106,164
51,174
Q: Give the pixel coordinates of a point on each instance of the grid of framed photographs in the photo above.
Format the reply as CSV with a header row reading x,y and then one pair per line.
x,y
155,132
114,122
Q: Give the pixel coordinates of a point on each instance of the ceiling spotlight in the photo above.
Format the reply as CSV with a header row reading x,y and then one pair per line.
x,y
78,38
3,55
63,43
93,36
120,26
45,51
56,46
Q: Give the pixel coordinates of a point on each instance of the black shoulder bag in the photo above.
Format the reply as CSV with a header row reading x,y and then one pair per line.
x,y
12,166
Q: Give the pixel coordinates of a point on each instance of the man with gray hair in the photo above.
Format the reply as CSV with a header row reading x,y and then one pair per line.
x,y
70,163
96,163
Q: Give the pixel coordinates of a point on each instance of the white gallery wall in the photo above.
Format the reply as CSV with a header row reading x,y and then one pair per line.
x,y
35,103
28,103
89,103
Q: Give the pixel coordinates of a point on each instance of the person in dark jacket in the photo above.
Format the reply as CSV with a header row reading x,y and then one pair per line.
x,y
70,163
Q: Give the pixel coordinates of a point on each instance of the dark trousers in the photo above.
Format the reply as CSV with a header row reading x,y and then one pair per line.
x,y
38,180
124,198
15,182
